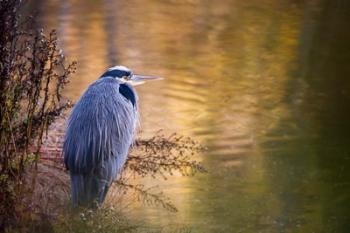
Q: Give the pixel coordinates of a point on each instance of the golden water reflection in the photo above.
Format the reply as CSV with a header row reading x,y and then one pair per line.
x,y
239,79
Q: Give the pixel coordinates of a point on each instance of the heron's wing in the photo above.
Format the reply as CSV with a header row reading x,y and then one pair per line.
x,y
100,129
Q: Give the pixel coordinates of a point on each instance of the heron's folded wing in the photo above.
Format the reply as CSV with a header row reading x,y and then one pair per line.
x,y
101,126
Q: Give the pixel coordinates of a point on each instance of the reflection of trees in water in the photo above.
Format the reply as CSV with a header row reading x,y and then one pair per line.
x,y
311,177
111,30
327,72
252,54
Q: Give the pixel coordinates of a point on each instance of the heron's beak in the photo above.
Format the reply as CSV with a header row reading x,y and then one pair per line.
x,y
136,79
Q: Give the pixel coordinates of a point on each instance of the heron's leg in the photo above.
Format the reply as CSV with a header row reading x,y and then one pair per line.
x,y
104,193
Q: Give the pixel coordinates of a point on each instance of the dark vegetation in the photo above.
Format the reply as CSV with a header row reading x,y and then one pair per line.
x,y
160,156
33,72
35,191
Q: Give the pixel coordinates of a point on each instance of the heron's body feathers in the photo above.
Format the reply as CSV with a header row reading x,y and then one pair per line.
x,y
99,133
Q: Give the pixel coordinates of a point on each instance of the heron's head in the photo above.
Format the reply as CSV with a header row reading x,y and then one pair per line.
x,y
124,74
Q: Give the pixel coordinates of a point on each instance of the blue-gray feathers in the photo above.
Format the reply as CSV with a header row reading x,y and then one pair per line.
x,y
100,131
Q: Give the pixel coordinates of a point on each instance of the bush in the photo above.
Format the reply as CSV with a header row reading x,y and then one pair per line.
x,y
33,73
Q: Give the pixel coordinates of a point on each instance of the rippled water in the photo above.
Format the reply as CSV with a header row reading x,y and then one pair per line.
x,y
265,85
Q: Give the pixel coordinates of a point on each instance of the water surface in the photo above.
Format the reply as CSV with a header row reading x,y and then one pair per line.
x,y
264,84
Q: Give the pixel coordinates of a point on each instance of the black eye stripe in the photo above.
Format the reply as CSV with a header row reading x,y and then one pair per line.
x,y
116,73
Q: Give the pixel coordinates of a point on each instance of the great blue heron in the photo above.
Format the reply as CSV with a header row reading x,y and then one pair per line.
x,y
100,131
